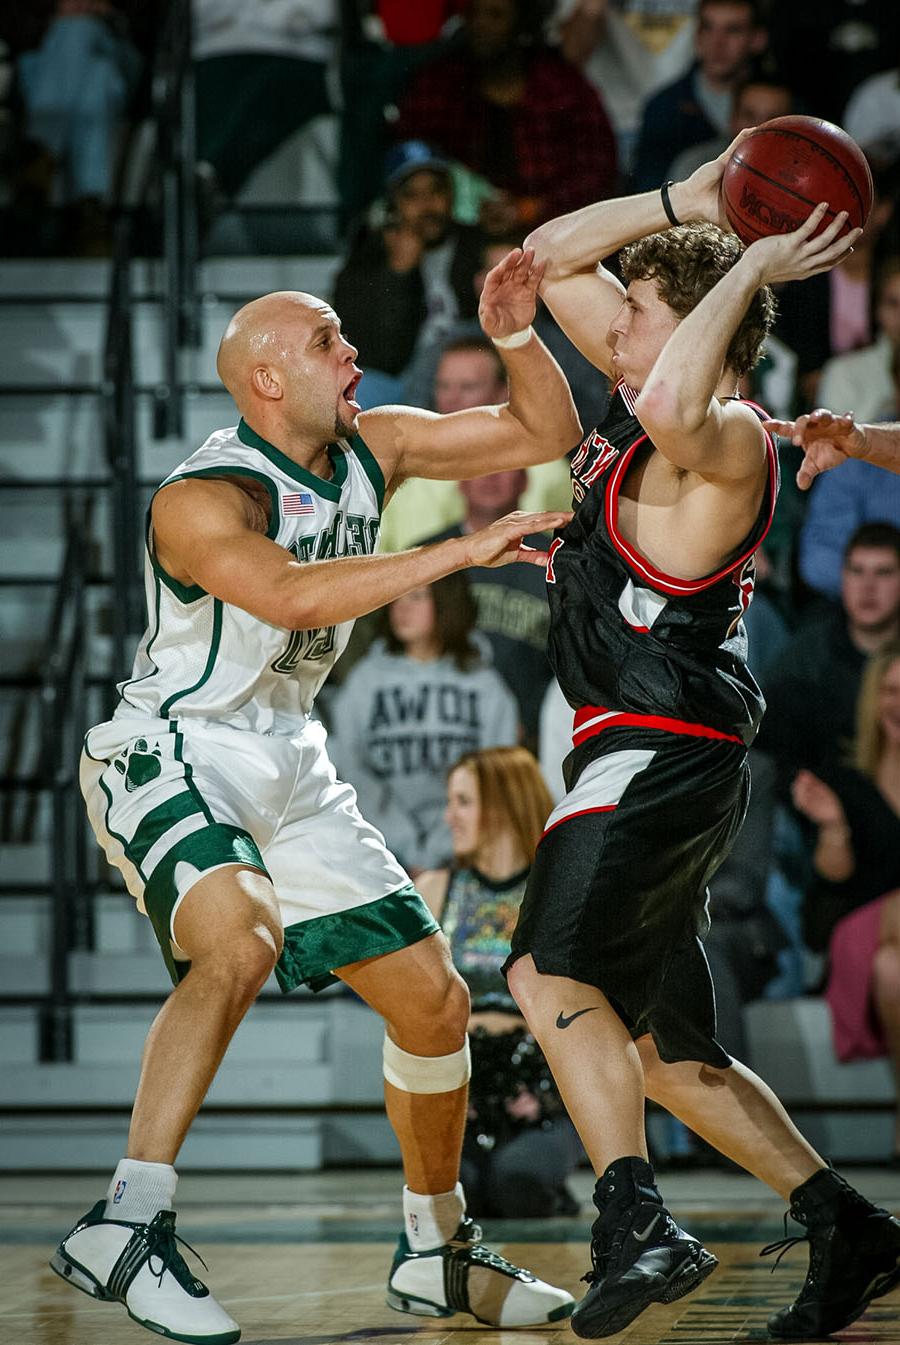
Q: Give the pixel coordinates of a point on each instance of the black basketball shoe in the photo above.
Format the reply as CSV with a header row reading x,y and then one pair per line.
x,y
854,1257
640,1256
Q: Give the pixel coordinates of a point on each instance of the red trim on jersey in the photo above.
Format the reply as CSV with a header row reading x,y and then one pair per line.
x,y
621,719
549,572
629,394
582,812
668,583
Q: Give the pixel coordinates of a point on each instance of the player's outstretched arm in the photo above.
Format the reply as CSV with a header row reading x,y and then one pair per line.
x,y
209,533
828,440
537,424
580,293
677,405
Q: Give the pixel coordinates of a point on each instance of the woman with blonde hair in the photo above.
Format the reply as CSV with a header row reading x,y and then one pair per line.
x,y
853,907
520,1146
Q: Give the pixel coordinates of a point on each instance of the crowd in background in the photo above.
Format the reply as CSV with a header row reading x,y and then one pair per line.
x,y
463,125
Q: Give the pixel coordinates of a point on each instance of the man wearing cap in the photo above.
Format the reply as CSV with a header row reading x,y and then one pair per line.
x,y
407,282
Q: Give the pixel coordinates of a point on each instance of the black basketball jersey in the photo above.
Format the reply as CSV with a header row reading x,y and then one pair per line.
x,y
630,645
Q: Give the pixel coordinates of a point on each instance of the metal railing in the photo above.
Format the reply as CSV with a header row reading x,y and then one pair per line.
x,y
63,714
120,447
174,113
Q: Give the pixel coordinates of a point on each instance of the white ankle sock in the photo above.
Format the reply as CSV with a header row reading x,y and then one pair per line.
x,y
430,1221
138,1190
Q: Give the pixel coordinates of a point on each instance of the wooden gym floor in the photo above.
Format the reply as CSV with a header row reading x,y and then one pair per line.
x,y
301,1259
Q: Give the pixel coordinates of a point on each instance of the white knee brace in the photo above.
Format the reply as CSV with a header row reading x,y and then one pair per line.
x,y
426,1073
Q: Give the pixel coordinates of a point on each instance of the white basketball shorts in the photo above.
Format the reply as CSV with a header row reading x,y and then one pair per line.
x,y
170,801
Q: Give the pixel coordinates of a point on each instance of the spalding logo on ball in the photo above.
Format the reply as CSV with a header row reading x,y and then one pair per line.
x,y
784,168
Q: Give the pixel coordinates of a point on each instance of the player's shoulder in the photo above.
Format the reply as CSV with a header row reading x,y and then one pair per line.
x,y
201,501
743,420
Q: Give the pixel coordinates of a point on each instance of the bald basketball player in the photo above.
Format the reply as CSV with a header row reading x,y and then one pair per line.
x,y
211,790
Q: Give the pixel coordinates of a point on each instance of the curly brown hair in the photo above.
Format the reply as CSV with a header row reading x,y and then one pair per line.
x,y
686,262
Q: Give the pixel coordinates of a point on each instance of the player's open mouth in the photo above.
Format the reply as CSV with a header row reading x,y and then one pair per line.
x,y
348,393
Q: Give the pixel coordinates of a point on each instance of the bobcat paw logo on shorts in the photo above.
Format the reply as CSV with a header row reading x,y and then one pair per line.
x,y
139,764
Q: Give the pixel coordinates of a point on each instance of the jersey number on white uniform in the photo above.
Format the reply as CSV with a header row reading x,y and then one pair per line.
x,y
305,646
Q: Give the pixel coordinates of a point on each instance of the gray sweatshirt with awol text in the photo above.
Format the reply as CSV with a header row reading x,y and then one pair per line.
x,y
397,727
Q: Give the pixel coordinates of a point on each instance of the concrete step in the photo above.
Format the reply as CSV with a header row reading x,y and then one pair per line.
x,y
19,1043
293,1035
62,437
61,341
791,1047
26,276
33,533
242,1081
239,277
24,864
237,1142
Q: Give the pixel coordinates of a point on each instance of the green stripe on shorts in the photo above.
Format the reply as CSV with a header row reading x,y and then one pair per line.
x,y
215,845
156,823
313,949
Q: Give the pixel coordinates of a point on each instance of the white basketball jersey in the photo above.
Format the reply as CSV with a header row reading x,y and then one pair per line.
x,y
203,658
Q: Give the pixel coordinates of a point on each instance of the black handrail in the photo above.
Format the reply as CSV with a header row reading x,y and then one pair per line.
x,y
173,103
63,714
120,447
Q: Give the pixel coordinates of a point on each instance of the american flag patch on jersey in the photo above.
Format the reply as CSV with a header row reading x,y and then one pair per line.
x,y
301,502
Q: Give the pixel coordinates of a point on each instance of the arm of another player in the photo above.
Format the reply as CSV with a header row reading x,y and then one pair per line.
x,y
537,424
828,440
205,533
581,294
677,405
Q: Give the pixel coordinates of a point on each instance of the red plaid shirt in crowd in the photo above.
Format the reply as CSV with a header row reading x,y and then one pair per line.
x,y
564,149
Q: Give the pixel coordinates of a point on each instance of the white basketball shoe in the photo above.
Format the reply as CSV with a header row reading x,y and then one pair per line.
x,y
140,1265
464,1276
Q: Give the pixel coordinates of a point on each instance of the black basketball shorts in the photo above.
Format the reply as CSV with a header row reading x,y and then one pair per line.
x,y
617,895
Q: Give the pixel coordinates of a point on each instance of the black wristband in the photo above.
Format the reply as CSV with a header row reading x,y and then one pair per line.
x,y
667,204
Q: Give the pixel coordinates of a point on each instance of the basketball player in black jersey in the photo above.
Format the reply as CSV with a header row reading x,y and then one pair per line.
x,y
647,587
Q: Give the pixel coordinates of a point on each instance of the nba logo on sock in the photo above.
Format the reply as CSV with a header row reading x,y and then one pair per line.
x,y
120,1190
413,1222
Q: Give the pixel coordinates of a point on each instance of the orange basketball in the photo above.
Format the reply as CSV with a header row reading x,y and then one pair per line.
x,y
785,167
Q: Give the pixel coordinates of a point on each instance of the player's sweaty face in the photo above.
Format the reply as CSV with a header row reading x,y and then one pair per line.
x,y
638,332
326,373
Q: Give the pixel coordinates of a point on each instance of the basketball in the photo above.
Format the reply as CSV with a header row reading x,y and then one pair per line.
x,y
784,168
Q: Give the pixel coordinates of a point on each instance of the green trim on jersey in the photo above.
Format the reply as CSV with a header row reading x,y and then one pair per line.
x,y
329,490
314,948
371,466
207,849
125,686
210,662
188,593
